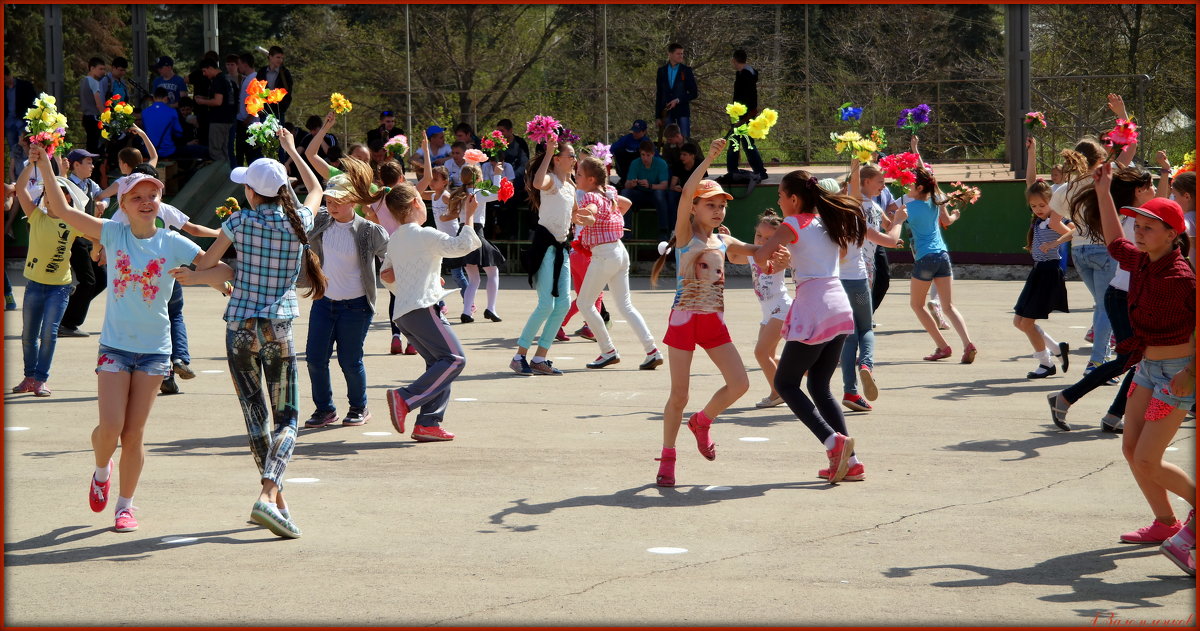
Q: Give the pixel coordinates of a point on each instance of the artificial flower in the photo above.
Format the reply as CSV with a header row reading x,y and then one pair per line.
x,y
735,111
45,124
264,134
117,118
231,206
506,190
494,144
913,119
1035,120
847,111
602,152
476,156
397,146
542,129
1124,133
339,103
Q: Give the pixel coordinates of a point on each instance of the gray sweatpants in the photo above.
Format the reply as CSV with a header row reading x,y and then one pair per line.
x,y
444,359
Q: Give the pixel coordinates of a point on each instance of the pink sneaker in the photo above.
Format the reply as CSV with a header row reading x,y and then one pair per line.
x,y
839,457
125,520
1156,532
26,385
39,389
423,434
98,491
398,409
1180,550
707,447
855,473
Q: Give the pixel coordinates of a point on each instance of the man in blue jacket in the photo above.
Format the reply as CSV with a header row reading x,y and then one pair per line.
x,y
675,90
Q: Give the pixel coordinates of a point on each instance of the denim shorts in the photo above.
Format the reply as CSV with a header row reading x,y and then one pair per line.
x,y
931,266
117,360
1156,375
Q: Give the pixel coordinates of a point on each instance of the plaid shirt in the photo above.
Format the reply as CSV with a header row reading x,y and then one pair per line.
x,y
269,258
610,224
1162,298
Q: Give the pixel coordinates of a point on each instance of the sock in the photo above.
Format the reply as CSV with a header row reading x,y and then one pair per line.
x,y
831,442
518,357
102,474
1051,345
123,503
538,360
395,336
652,352
854,460
1043,358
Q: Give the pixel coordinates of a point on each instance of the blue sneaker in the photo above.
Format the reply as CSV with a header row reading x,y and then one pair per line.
x,y
521,367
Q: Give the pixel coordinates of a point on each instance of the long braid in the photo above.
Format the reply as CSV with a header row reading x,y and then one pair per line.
x,y
312,264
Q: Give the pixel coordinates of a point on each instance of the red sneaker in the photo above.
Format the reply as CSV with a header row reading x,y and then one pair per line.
x,y
398,409
855,473
126,521
26,385
98,491
397,345
856,402
707,447
410,350
562,336
585,332
839,457
423,434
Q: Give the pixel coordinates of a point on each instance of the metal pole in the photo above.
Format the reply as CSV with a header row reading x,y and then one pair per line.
x,y
1016,37
212,40
777,60
141,48
606,136
52,16
408,80
807,94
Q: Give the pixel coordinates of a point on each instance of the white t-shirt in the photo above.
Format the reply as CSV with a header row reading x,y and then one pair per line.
x,y
440,207
1121,278
171,216
814,254
554,214
440,152
1060,202
455,170
341,262
854,266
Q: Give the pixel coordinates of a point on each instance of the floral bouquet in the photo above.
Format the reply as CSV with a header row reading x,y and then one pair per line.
x,y
567,136
1189,164
861,148
756,129
847,112
45,124
964,194
265,134
1035,121
913,119
494,144
1124,133
257,95
116,119
231,206
503,191
601,152
397,146
475,156
879,137
339,104
899,167
542,129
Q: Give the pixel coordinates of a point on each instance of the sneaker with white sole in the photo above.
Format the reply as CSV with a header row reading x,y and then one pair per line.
x,y
839,457
423,434
856,402
544,368
321,418
521,367
605,359
768,402
867,376
98,491
356,416
269,517
125,521
654,359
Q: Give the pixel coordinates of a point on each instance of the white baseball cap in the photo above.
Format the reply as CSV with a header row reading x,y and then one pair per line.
x,y
264,175
79,199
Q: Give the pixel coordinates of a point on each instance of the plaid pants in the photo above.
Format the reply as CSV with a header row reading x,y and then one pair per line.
x,y
258,347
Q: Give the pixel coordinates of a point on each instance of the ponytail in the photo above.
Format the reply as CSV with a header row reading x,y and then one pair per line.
x,y
841,215
1085,205
361,177
399,200
312,265
1080,161
661,262
470,174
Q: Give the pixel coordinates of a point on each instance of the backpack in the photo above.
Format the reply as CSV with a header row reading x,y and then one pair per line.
x,y
741,177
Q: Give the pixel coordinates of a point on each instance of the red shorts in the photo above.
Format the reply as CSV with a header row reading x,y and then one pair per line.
x,y
689,328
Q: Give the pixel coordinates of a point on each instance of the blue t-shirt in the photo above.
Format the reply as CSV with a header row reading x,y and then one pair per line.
x,y
135,316
656,173
927,233
162,124
176,87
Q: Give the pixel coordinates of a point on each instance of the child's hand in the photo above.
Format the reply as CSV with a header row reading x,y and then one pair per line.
x,y
716,148
1046,247
37,153
182,275
722,229
781,259
425,141
1183,384
1031,144
137,130
899,215
1161,157
387,275
286,139
913,142
330,120
1117,105
1103,177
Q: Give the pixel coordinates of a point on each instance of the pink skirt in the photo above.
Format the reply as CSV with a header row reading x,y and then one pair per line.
x,y
820,312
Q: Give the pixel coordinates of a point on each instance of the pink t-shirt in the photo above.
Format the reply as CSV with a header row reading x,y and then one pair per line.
x,y
385,217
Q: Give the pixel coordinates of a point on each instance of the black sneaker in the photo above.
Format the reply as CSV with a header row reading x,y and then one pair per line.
x,y
1042,372
169,386
357,416
66,331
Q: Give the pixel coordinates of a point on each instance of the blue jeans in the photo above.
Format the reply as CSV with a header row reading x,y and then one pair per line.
x,y
860,345
550,311
1097,269
684,122
652,197
41,310
345,322
179,338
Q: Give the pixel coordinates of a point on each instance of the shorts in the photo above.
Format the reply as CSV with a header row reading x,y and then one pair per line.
x,y
689,328
775,309
931,266
1156,375
117,360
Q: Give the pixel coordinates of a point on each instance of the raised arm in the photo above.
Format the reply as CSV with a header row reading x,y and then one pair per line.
x,y
1109,218
1117,105
1164,175
57,203
541,178
311,183
914,145
683,220
427,173
854,188
151,152
1030,161
22,192
314,145
1126,156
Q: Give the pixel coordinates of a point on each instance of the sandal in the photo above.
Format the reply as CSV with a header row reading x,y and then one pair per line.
x,y
969,354
666,470
941,353
1058,414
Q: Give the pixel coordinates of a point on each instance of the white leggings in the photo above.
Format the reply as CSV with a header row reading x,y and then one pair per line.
x,y
493,287
610,266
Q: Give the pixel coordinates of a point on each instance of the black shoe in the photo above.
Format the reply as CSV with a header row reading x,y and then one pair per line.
x,y
487,313
169,386
1057,414
466,319
1064,350
1119,428
1042,372
66,331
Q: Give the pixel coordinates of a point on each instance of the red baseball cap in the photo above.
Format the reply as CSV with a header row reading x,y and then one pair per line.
x,y
1162,209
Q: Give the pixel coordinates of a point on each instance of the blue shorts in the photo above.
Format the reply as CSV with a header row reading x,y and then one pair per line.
x,y
1156,375
931,266
117,360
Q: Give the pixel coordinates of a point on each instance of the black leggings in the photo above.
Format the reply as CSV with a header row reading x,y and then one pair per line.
x,y
821,414
883,279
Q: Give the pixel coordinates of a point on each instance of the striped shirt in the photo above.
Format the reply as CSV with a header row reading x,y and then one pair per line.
x,y
1042,234
610,224
269,258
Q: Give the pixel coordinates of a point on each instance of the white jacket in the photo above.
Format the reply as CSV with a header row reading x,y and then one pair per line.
x,y
415,255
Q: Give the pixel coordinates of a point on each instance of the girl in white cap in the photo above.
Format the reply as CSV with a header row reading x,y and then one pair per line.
x,y
135,343
272,245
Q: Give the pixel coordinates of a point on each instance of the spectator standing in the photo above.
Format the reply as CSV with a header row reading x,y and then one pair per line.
x,y
164,130
745,91
646,185
277,76
218,99
174,84
244,153
19,96
199,83
675,90
91,102
113,83
625,149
